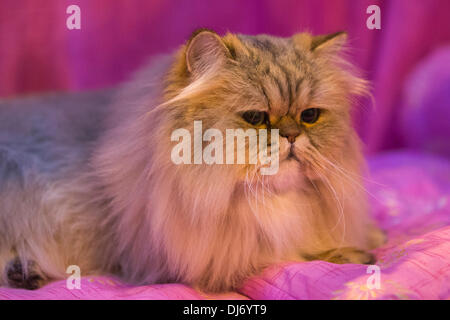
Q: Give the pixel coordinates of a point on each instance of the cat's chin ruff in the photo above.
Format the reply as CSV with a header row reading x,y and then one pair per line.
x,y
183,240
218,250
290,177
175,225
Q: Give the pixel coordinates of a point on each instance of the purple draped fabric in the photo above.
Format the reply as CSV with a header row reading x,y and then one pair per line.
x,y
38,52
407,60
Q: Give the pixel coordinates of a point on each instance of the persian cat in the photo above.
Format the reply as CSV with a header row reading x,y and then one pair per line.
x,y
87,179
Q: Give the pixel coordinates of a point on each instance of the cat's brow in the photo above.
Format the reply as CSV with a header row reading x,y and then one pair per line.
x,y
285,84
267,97
278,82
279,74
265,45
288,83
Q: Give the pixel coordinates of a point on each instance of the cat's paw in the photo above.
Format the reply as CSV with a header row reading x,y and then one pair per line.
x,y
18,277
345,255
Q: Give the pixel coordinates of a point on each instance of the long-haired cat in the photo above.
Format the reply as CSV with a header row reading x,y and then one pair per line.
x,y
88,180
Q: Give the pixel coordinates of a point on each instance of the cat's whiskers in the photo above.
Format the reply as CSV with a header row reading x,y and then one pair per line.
x,y
340,173
248,187
320,170
357,176
264,185
259,186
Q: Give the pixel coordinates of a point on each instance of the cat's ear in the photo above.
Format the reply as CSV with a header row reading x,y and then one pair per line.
x,y
205,50
333,41
328,42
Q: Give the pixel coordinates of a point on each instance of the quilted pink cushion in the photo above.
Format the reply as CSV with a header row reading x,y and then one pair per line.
x,y
410,200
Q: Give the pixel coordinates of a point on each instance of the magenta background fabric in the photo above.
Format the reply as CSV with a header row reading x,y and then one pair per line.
x,y
410,195
408,62
424,115
38,53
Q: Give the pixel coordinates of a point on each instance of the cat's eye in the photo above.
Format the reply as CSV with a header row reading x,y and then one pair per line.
x,y
310,115
255,117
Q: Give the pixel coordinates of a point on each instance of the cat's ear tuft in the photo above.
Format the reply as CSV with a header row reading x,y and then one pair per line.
x,y
205,49
333,41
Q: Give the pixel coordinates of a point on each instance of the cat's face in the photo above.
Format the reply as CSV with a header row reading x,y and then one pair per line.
x,y
296,85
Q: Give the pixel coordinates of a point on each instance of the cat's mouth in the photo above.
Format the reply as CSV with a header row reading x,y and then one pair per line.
x,y
291,155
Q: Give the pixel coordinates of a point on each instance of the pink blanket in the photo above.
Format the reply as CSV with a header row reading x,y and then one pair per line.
x,y
410,200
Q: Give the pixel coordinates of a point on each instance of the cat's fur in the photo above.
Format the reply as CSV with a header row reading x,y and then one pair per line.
x,y
88,180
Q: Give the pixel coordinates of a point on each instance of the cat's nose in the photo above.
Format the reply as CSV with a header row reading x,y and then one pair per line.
x,y
291,138
289,129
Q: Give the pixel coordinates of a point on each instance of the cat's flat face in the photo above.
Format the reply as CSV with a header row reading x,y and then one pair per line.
x,y
262,82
